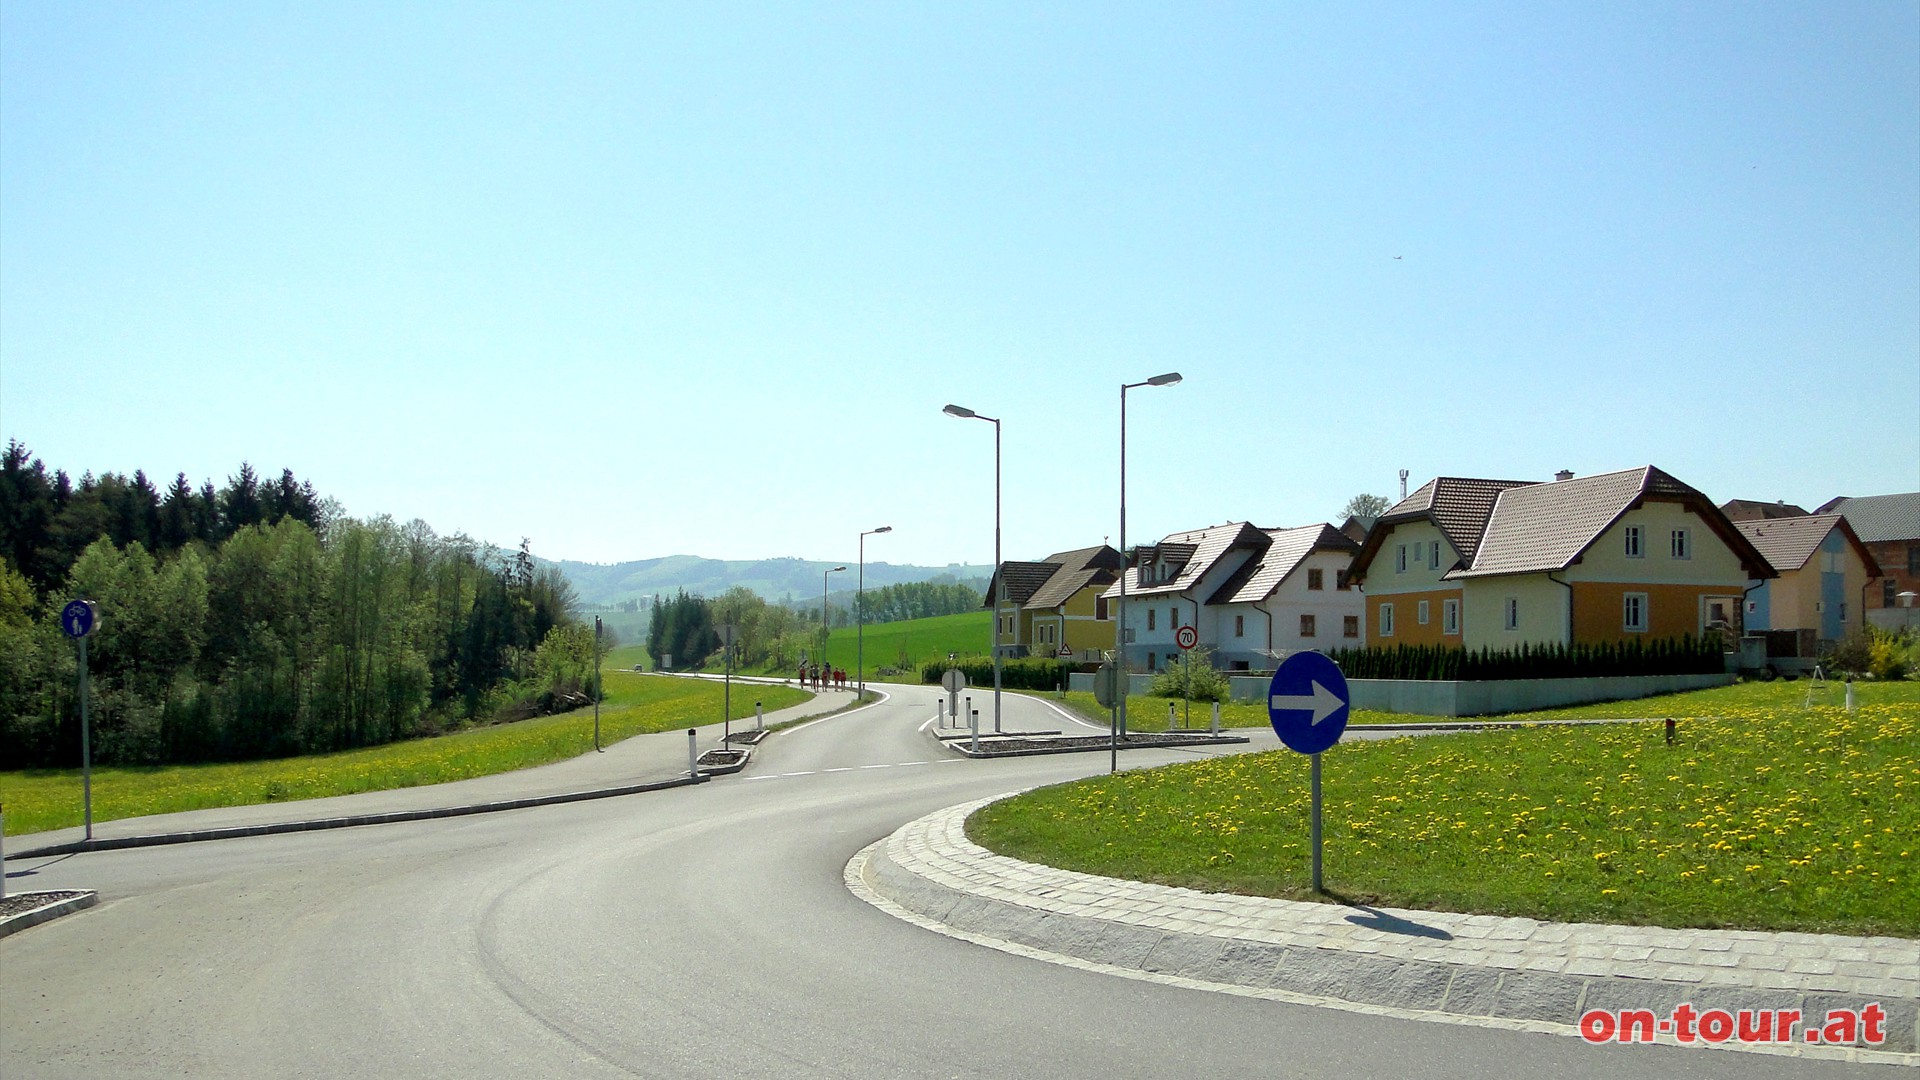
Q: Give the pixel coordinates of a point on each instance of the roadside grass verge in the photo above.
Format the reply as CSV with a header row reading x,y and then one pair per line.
x,y
41,799
1150,713
1759,817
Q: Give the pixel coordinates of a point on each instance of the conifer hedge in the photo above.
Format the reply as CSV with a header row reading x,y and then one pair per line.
x,y
1666,656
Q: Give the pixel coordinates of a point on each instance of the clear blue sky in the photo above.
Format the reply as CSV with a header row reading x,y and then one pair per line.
x,y
635,281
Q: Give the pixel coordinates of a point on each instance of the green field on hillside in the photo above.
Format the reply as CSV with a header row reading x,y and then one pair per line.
x,y
895,650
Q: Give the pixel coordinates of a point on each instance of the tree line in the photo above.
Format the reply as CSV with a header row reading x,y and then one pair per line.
x,y
917,600
274,626
778,636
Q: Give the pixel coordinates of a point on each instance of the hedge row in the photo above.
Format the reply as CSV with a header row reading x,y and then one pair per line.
x,y
1031,673
1667,656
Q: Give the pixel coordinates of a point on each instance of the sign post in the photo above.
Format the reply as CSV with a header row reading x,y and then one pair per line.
x,y
1106,691
79,619
1186,637
953,681
728,632
1307,703
596,686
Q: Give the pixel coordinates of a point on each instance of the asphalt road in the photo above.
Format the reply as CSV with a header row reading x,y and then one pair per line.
x,y
698,932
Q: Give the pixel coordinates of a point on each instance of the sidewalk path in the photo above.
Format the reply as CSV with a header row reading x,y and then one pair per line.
x,y
636,764
1472,969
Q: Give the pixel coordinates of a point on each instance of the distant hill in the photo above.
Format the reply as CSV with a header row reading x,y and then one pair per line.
x,y
773,579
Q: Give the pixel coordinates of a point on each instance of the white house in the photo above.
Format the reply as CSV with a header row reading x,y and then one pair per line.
x,y
1252,595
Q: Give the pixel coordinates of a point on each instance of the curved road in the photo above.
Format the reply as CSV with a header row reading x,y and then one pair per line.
x,y
695,932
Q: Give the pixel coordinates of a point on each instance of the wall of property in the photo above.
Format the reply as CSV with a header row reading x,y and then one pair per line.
x,y
1599,610
1424,698
1540,602
1416,538
1407,628
1709,560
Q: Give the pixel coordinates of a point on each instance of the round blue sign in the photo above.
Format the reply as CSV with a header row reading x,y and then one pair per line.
x,y
77,618
1307,702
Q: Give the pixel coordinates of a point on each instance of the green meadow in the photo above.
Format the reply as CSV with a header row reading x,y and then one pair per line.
x,y
40,799
1763,814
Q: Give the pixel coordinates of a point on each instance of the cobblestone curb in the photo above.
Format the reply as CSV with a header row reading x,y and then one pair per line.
x,y
1474,969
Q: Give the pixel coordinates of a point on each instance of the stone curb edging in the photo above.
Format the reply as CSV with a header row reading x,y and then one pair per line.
x,y
16,923
960,747
275,828
981,903
745,752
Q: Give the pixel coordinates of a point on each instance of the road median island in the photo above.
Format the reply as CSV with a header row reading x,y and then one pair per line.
x,y
1480,970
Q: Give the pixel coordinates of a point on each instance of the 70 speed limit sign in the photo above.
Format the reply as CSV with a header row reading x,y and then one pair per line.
x,y
1186,637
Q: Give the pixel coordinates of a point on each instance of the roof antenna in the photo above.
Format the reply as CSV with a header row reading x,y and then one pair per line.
x,y
1403,483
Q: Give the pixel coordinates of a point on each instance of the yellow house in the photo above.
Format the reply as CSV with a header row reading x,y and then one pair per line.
x,y
1824,572
1622,556
1054,607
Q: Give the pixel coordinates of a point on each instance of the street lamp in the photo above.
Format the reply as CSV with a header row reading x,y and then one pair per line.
x,y
965,413
860,617
1120,716
826,626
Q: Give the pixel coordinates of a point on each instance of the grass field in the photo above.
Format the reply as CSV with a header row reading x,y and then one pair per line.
x,y
40,799
1764,815
904,646
1150,713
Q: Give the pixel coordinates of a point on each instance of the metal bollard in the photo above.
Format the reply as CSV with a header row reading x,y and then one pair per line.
x,y
693,757
939,714
759,718
1169,716
975,714
1215,728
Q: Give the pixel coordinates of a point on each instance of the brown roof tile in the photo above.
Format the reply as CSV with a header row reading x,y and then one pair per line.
x,y
1258,577
1789,542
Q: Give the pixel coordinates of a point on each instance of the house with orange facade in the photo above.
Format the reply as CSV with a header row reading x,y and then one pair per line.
x,y
1621,556
1822,592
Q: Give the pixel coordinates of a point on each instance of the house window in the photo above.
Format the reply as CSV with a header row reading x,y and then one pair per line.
x,y
1420,613
1400,559
1306,626
1173,618
1153,615
1100,608
1450,616
1843,611
1386,620
1634,548
1340,581
1634,612
1753,607
1350,626
1153,661
1682,547
1315,580
1129,635
1913,559
1887,593
1239,626
1436,555
1513,613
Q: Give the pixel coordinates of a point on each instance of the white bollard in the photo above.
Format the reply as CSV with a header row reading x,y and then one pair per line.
x,y
1849,695
1169,716
975,714
693,757
759,717
939,714
1215,729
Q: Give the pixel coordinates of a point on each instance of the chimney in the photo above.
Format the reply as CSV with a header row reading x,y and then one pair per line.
x,y
1563,474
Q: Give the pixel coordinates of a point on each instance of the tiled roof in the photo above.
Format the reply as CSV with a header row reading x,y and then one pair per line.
x,y
1021,579
1755,510
1258,577
1458,506
1202,548
1064,583
1547,526
1877,519
1789,542
1079,568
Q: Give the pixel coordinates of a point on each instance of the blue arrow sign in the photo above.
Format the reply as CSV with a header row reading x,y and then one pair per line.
x,y
1307,702
77,618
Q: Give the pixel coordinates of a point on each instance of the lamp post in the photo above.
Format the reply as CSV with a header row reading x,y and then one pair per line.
x,y
968,414
1120,718
860,617
826,626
